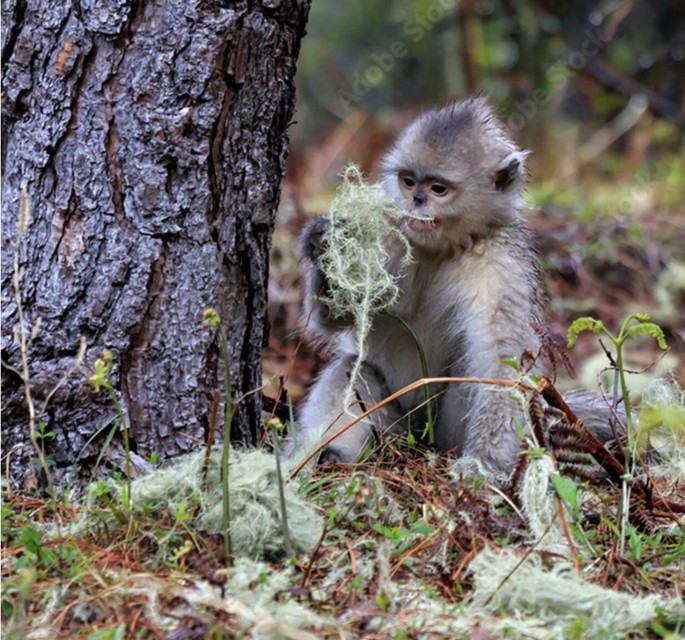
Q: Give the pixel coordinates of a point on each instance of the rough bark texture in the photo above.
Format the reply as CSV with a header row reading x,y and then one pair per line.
x,y
151,138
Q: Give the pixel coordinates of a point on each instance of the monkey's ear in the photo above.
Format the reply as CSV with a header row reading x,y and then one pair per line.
x,y
511,168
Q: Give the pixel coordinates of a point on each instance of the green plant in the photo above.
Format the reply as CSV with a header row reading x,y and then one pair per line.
x,y
102,490
568,491
429,430
36,552
101,380
17,595
114,633
633,327
273,427
577,629
213,319
401,539
642,327
42,434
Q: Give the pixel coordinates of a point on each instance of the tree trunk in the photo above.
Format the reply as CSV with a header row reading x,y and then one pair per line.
x,y
150,137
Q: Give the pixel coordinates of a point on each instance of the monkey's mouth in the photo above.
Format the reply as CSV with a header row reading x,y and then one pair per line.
x,y
422,225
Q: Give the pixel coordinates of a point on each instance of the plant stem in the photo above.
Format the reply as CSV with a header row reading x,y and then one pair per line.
x,y
225,452
25,375
127,446
430,429
626,483
281,497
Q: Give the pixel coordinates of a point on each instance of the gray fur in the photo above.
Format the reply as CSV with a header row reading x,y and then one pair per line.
x,y
470,293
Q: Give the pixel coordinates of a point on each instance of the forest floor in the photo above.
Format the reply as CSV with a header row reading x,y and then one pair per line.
x,y
395,547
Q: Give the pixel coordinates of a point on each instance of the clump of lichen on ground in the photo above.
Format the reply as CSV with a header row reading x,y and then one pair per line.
x,y
255,517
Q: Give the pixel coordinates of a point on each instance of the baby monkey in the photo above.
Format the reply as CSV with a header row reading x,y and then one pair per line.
x,y
470,294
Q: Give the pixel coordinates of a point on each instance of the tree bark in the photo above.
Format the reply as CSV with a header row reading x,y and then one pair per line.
x,y
151,138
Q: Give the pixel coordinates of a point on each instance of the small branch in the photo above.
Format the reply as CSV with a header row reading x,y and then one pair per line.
x,y
23,337
277,407
610,78
567,533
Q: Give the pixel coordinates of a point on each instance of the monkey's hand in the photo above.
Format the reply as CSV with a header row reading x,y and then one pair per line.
x,y
314,238
314,242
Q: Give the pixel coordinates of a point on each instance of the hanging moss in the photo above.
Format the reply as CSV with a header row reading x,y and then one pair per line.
x,y
364,223
355,262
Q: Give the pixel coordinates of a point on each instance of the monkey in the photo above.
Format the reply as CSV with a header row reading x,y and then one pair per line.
x,y
471,294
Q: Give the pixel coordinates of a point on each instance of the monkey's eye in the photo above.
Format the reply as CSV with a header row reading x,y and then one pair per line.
x,y
407,182
439,189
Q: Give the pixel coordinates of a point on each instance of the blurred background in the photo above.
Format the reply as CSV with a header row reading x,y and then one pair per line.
x,y
595,89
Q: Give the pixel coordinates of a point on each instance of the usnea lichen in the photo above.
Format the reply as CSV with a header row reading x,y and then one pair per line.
x,y
356,262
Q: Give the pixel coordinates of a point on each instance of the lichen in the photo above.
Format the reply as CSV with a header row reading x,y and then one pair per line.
x,y
255,518
356,262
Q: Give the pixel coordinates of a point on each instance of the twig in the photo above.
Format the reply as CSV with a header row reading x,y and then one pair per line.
x,y
567,533
462,565
23,337
612,79
313,556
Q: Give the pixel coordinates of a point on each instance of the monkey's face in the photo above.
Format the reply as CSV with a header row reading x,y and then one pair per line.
x,y
454,207
458,175
426,198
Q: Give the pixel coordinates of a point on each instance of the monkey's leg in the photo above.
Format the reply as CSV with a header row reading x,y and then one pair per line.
x,y
324,413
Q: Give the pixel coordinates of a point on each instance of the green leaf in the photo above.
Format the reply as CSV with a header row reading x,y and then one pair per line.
x,y
388,532
514,364
648,329
48,557
567,491
115,633
181,512
100,379
333,516
382,601
7,609
422,529
31,539
583,324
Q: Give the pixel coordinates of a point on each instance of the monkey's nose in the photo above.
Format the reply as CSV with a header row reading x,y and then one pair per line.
x,y
419,199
